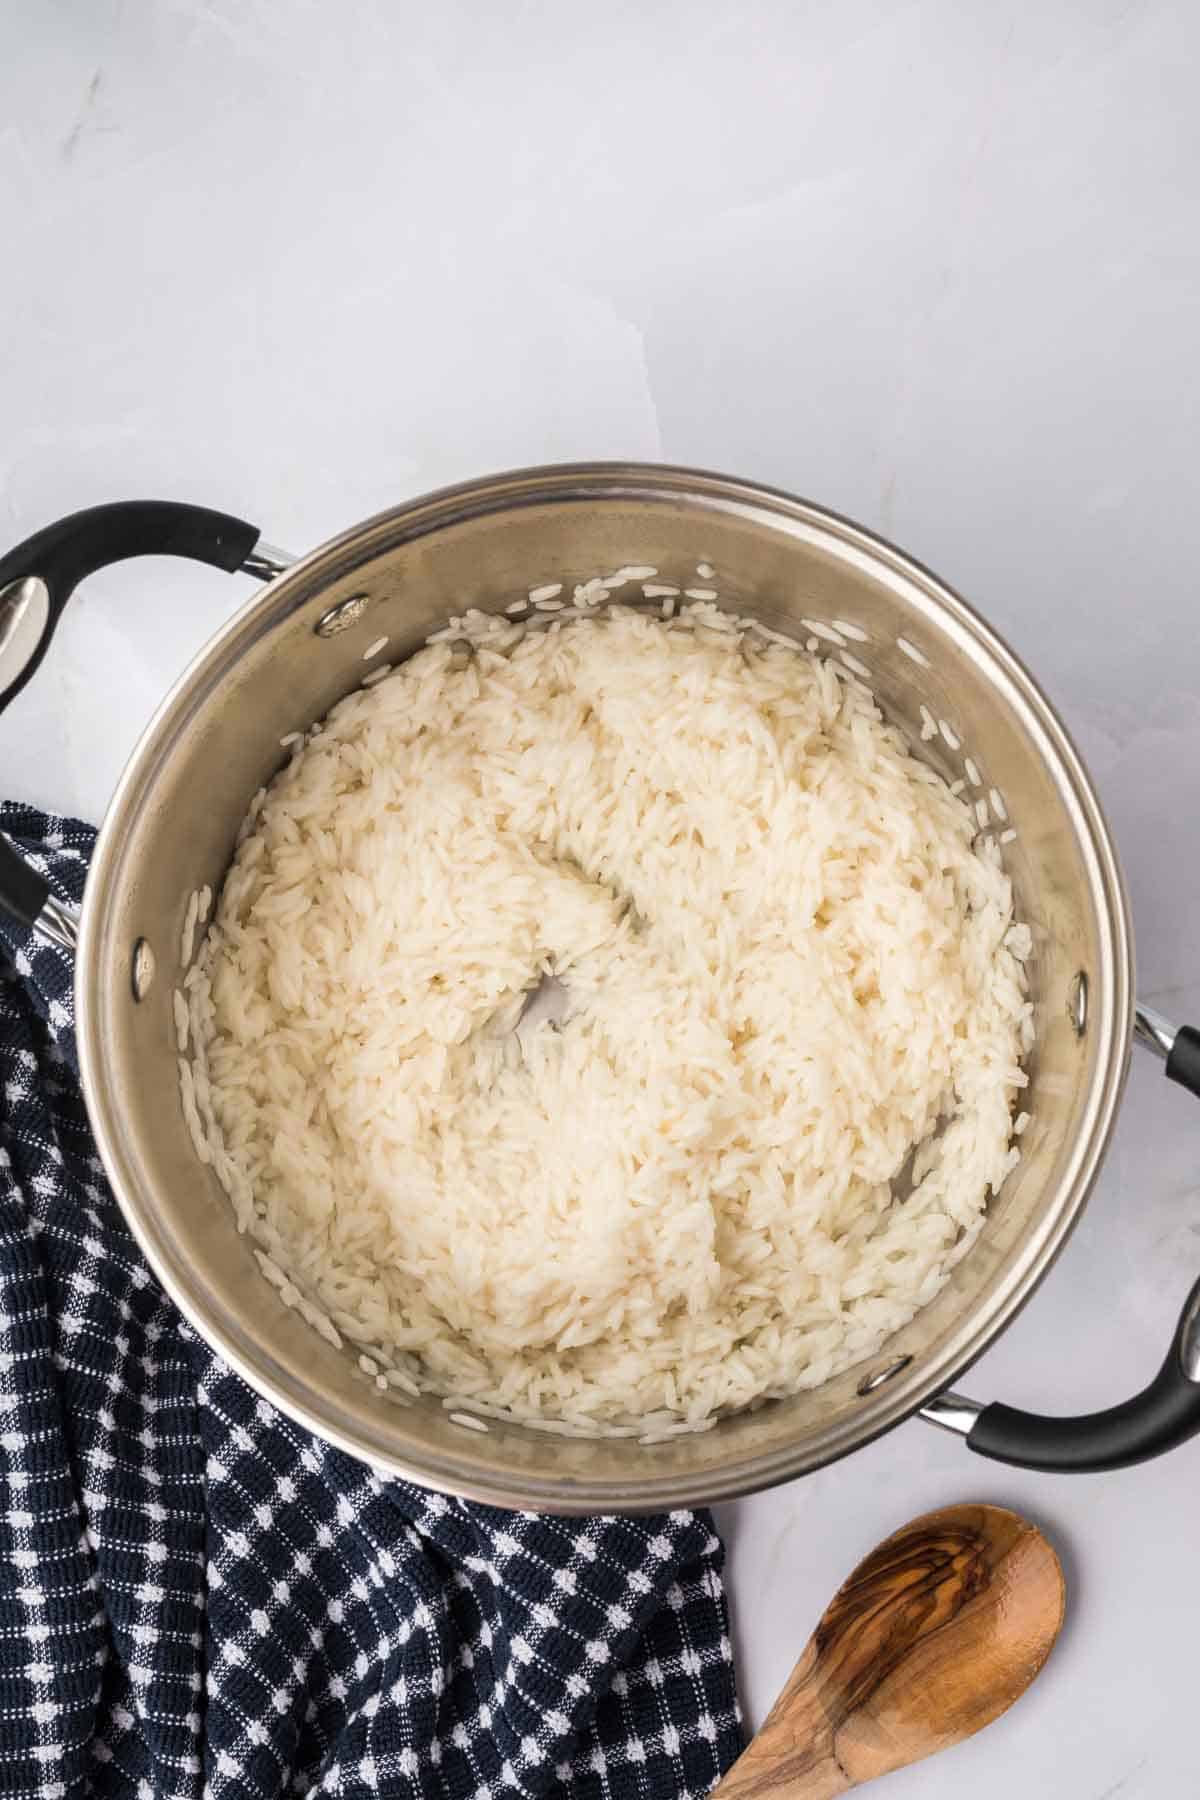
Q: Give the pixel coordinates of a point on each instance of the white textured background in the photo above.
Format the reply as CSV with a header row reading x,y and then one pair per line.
x,y
935,263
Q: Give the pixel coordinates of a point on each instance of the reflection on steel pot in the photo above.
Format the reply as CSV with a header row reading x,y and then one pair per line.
x,y
296,648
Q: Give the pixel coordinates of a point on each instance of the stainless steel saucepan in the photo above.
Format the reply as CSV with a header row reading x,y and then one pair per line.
x,y
297,647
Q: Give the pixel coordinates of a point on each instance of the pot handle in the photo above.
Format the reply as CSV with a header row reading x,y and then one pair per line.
x,y
1160,1417
38,577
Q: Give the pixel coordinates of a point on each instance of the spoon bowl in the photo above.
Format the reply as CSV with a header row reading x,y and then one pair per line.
x,y
932,1637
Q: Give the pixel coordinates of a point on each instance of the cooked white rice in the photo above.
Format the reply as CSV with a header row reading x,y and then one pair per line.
x,y
784,960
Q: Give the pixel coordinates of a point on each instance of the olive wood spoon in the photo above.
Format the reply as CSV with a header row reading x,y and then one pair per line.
x,y
931,1638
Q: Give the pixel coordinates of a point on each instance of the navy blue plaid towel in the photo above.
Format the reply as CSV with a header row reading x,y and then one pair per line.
x,y
198,1599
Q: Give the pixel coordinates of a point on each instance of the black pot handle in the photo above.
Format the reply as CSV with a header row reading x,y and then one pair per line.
x,y
23,892
1159,1418
38,577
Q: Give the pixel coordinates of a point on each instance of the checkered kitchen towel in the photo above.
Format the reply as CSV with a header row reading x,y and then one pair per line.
x,y
197,1598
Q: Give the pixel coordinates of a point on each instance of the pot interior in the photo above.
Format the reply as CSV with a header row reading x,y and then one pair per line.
x,y
171,830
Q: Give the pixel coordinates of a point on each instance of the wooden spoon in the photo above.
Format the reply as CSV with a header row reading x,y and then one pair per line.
x,y
933,1637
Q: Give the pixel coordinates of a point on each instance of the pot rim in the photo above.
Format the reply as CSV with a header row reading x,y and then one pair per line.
x,y
1110,1018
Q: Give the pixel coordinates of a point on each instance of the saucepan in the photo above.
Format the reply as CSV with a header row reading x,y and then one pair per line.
x,y
298,646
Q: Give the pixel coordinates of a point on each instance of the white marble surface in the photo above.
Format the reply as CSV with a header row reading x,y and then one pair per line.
x,y
935,263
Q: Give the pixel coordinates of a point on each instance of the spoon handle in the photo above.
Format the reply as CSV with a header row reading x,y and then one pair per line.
x,y
794,1754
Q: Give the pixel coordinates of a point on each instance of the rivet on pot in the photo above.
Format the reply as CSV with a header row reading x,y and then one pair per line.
x,y
877,1377
142,969
1077,1005
340,617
